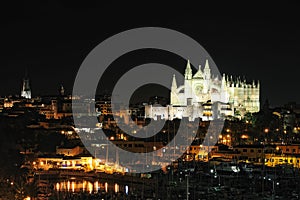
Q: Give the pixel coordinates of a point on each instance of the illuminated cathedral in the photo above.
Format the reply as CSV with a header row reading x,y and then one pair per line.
x,y
26,91
208,97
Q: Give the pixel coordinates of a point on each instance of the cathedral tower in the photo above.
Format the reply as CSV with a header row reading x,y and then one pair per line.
x,y
26,91
188,82
174,96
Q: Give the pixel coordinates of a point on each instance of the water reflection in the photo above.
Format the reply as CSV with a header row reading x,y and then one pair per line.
x,y
76,186
116,188
106,187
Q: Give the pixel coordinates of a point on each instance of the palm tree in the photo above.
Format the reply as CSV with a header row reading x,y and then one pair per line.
x,y
23,188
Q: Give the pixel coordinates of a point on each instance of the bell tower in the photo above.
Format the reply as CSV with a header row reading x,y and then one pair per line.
x,y
26,91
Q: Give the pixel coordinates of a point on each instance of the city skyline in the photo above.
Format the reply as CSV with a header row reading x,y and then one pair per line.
x,y
207,133
261,47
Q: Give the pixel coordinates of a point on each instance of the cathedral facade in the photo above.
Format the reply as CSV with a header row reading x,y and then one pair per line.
x,y
208,97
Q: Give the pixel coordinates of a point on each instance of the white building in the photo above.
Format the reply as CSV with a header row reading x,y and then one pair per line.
x,y
207,97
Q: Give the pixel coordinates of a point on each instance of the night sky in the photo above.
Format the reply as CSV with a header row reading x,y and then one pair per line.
x,y
52,39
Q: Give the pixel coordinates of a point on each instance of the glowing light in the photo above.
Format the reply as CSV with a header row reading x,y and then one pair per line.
x,y
73,186
96,185
116,188
90,187
266,130
68,186
244,136
57,186
83,186
106,187
235,169
126,189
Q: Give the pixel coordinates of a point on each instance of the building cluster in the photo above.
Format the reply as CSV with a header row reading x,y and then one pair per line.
x,y
271,155
274,140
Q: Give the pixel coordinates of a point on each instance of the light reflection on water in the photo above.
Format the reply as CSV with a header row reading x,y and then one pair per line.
x,y
76,186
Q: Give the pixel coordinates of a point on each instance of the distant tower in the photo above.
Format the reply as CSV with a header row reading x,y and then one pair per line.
x,y
26,91
61,90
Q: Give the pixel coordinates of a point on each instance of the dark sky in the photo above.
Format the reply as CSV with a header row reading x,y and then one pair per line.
x,y
52,39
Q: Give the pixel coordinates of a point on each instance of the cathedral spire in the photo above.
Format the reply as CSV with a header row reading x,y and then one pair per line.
x,y
188,71
207,74
61,90
206,64
223,80
199,73
174,84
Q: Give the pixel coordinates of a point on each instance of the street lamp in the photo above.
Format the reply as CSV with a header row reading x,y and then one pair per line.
x,y
266,130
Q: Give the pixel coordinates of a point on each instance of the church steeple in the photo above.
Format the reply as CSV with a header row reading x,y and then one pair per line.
x,y
174,84
207,74
61,90
174,96
26,91
188,71
223,81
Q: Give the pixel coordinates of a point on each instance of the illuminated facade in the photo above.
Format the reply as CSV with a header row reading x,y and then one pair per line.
x,y
207,97
272,160
26,91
